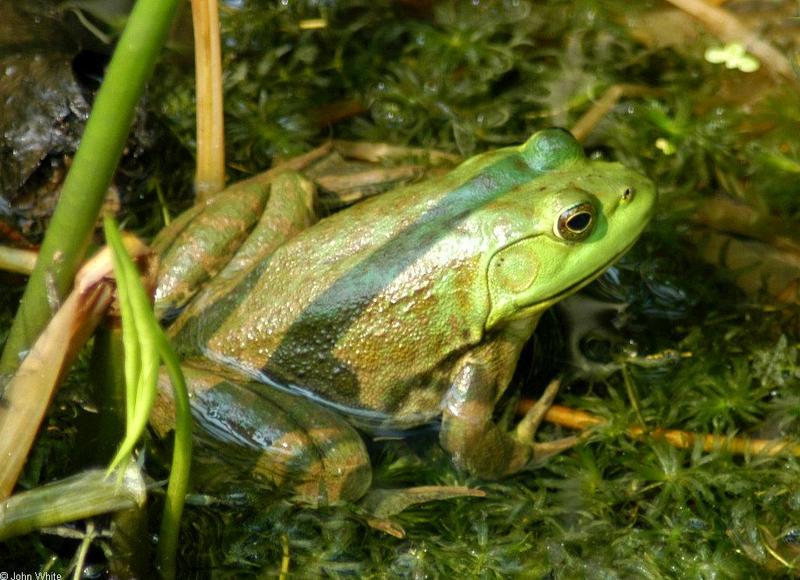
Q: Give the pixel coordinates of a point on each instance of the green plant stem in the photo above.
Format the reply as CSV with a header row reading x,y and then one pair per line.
x,y
108,378
70,230
83,550
632,397
141,329
181,461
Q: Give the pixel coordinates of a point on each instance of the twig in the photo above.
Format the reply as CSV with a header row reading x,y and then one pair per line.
x,y
581,420
727,215
84,495
17,260
603,105
210,174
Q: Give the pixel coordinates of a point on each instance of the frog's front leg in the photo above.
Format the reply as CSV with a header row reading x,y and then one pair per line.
x,y
469,433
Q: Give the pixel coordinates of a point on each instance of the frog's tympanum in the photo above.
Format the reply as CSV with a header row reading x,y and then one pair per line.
x,y
410,306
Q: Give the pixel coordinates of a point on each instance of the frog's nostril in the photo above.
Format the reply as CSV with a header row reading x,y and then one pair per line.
x,y
628,194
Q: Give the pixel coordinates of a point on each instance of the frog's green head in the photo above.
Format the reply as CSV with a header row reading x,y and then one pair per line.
x,y
571,223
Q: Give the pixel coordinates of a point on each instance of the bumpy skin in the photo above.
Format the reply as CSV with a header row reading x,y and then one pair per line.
x,y
416,303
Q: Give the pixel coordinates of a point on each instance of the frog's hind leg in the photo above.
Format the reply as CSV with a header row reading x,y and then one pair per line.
x,y
247,431
228,235
287,211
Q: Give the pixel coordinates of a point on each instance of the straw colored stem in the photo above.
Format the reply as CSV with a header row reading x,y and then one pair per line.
x,y
584,126
17,260
28,394
210,174
580,420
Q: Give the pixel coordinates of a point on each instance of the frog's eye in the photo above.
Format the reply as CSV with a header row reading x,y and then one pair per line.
x,y
576,223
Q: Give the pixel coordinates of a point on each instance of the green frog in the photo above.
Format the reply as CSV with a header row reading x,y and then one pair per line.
x,y
409,307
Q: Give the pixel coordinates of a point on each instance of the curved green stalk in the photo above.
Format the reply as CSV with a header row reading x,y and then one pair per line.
x,y
70,230
181,461
140,326
146,346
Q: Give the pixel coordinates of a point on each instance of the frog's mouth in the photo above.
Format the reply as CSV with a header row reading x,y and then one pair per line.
x,y
548,301
596,274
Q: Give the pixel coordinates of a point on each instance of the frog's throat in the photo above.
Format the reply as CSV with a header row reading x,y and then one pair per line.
x,y
545,303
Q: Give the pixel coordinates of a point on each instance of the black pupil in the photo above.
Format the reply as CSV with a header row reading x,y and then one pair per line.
x,y
579,221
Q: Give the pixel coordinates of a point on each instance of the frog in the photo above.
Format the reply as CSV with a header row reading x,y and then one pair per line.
x,y
298,335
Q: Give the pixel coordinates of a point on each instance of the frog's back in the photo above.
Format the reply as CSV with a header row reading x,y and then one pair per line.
x,y
365,308
371,308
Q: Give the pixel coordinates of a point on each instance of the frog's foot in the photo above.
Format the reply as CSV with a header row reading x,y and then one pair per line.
x,y
587,320
529,424
381,504
481,446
